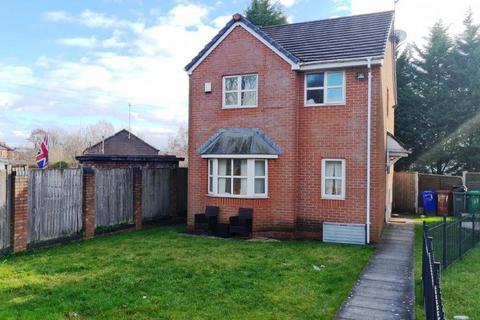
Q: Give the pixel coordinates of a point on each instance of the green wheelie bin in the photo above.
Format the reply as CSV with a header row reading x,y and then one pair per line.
x,y
473,201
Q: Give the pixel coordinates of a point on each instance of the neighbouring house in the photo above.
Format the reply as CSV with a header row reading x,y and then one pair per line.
x,y
6,153
125,150
296,121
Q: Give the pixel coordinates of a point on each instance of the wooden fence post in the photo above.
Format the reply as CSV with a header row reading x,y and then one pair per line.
x,y
89,211
19,220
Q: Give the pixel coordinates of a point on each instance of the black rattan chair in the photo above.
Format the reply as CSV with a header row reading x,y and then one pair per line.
x,y
207,222
241,225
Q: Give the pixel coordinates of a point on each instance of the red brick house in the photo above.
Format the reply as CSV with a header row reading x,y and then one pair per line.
x,y
296,121
6,153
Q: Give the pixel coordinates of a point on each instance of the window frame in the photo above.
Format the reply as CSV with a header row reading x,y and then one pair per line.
x,y
325,88
324,178
239,92
214,192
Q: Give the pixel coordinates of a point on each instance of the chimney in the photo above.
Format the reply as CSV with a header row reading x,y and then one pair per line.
x,y
237,17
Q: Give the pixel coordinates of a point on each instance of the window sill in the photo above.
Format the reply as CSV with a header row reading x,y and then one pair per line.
x,y
340,104
238,107
332,198
238,197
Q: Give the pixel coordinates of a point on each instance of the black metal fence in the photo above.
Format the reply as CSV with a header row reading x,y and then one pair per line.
x,y
453,238
431,282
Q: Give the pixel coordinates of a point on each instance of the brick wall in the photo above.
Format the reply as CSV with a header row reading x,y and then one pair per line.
x,y
89,204
306,135
19,220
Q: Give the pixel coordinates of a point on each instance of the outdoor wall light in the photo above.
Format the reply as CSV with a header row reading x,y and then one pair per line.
x,y
360,75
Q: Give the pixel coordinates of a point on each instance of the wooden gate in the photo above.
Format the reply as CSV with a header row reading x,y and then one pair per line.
x,y
405,192
156,194
4,211
114,197
54,204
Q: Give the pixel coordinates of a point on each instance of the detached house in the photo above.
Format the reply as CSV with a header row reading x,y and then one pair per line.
x,y
296,121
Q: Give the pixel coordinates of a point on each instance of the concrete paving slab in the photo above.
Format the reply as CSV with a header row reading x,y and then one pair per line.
x,y
385,289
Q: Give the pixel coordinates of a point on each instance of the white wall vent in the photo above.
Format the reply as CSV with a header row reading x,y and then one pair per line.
x,y
349,233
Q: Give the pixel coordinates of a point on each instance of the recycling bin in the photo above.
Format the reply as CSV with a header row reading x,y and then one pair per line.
x,y
429,200
459,200
444,197
473,201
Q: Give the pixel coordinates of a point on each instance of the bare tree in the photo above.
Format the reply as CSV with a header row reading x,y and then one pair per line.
x,y
178,145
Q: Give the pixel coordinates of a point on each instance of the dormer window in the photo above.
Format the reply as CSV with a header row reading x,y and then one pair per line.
x,y
324,88
240,91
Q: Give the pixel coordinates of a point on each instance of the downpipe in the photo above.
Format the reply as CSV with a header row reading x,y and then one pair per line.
x,y
369,142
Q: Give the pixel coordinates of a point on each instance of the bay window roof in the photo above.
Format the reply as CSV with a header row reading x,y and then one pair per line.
x,y
239,141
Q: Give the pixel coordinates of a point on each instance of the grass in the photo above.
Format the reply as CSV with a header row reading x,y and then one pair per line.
x,y
161,274
458,282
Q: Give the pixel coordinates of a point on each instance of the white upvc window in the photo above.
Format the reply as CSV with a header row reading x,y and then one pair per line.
x,y
242,178
333,179
324,88
240,91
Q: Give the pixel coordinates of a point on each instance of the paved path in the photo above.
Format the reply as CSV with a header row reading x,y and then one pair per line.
x,y
385,289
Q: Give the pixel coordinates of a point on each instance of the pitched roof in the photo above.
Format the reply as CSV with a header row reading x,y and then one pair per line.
x,y
239,141
3,146
352,37
357,36
122,143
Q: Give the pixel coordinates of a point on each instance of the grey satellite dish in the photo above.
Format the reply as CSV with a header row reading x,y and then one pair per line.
x,y
399,36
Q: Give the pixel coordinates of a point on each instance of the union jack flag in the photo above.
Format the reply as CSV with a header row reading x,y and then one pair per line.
x,y
42,154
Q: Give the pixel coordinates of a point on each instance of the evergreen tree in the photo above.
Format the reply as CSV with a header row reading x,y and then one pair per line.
x,y
437,115
265,13
407,113
466,76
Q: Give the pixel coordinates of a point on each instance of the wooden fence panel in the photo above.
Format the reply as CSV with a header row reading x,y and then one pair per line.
x,y
436,182
54,204
156,193
472,180
4,211
405,192
114,197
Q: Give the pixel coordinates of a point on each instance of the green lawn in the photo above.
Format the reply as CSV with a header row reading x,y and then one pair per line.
x,y
162,274
461,294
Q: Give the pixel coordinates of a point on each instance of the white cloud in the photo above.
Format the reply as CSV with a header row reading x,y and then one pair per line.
x,y
78,42
417,17
57,16
7,99
93,19
187,15
147,71
287,3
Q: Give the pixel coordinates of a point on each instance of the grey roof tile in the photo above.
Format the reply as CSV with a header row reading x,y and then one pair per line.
x,y
240,141
350,37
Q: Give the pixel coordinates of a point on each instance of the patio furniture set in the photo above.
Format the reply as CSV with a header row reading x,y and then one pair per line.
x,y
207,223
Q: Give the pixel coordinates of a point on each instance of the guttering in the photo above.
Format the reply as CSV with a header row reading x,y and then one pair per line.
x,y
339,63
239,156
369,140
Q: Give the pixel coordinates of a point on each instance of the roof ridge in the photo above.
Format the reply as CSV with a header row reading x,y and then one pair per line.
x,y
327,19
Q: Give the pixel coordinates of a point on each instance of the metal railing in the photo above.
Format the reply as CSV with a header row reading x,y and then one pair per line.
x,y
431,282
453,238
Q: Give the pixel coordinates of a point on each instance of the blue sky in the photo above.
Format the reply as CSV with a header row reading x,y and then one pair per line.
x,y
68,64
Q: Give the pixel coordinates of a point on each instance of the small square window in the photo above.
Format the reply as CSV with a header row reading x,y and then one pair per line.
x,y
240,91
333,179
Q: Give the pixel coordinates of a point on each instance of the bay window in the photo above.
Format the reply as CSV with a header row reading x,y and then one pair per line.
x,y
238,177
333,179
322,88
